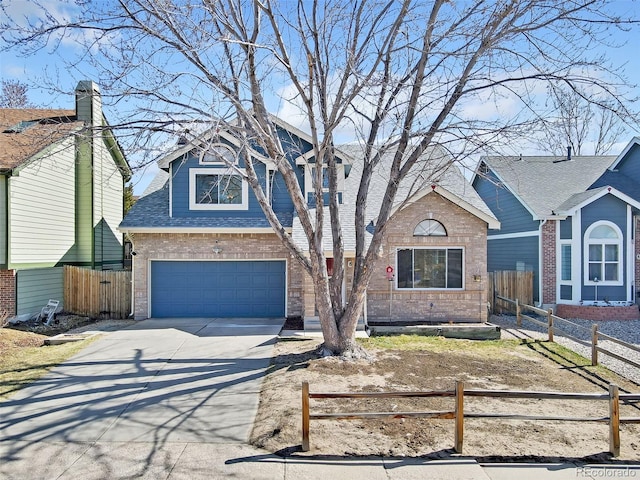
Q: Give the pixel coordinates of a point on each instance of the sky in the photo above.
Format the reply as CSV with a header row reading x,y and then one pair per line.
x,y
50,65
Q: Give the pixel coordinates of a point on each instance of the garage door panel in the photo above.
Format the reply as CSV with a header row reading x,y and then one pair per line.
x,y
218,289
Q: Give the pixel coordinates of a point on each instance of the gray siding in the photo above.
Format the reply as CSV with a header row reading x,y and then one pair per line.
x,y
505,254
35,287
513,216
608,208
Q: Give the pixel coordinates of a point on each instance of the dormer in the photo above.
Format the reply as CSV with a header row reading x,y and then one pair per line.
x,y
308,162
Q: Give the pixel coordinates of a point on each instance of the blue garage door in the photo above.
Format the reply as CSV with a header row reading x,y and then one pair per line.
x,y
218,289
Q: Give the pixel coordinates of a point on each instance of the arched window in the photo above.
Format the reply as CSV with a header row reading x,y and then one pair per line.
x,y
219,154
430,228
603,248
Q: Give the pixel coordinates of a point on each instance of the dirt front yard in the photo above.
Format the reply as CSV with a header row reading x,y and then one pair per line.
x,y
422,363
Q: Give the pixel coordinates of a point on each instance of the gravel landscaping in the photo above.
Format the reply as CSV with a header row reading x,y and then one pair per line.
x,y
625,330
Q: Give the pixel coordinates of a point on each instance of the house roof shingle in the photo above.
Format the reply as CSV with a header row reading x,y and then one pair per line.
x,y
25,132
434,168
151,211
544,183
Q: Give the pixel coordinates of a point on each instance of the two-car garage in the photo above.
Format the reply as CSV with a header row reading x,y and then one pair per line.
x,y
224,289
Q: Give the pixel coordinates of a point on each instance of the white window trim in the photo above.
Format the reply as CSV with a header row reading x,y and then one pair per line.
x,y
193,172
604,241
203,154
422,247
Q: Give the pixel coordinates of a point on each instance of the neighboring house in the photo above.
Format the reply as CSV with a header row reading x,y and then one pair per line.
x,y
203,246
570,220
62,177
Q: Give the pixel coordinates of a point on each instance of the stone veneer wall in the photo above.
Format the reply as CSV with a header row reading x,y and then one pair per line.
x,y
386,302
8,292
199,246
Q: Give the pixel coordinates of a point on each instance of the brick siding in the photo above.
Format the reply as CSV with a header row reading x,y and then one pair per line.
x,y
8,292
598,313
549,262
386,302
464,230
199,246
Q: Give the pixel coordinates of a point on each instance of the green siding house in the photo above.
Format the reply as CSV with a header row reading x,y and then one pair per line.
x,y
62,178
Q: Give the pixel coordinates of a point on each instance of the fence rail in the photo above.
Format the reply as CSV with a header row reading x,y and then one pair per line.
x,y
458,414
552,328
96,293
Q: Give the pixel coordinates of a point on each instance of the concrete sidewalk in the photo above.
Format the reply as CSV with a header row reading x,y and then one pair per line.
x,y
176,399
210,461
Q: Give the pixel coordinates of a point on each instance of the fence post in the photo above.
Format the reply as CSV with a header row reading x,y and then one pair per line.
x,y
518,316
614,420
594,344
459,414
550,322
305,416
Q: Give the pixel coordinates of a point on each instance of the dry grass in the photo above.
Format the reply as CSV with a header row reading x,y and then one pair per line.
x,y
23,358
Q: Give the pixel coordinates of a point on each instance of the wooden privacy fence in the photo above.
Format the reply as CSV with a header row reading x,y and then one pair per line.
x,y
97,293
458,413
509,284
551,324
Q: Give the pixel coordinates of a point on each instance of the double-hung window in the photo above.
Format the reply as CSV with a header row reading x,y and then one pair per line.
x,y
430,268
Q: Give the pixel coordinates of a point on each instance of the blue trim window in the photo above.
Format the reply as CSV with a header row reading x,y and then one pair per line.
x,y
430,268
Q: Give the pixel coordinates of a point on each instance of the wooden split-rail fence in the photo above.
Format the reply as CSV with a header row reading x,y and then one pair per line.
x,y
552,325
458,412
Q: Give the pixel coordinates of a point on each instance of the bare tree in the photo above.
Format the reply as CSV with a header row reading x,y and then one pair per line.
x,y
402,76
14,95
579,122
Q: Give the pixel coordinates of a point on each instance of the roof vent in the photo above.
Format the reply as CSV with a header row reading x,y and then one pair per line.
x,y
567,159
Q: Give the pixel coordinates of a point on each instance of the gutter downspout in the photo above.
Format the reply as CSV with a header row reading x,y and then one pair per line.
x,y
540,264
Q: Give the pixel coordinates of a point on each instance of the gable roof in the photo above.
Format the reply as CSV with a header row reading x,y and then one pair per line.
x,y
434,173
543,183
25,132
579,200
635,141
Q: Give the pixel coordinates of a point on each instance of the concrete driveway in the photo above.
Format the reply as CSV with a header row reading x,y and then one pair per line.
x,y
159,383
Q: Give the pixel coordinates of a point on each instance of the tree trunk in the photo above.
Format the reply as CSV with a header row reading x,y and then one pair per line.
x,y
338,332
